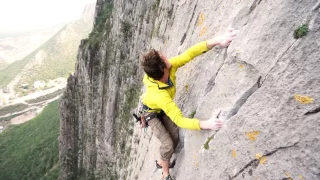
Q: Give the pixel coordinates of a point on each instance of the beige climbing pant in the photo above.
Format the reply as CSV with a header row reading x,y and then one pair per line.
x,y
168,133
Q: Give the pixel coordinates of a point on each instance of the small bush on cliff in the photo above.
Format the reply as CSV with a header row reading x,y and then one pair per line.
x,y
206,144
301,31
191,115
126,29
101,26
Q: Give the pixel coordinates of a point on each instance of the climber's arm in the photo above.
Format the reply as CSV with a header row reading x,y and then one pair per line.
x,y
200,48
189,54
171,109
165,103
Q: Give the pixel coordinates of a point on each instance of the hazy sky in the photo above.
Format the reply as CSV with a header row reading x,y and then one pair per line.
x,y
25,15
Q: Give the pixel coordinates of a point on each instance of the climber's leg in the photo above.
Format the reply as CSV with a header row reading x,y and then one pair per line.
x,y
167,146
173,130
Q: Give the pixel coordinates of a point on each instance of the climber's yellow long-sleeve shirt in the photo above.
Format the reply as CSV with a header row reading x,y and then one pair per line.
x,y
159,96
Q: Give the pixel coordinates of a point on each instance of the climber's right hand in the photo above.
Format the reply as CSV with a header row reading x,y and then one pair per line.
x,y
222,40
211,124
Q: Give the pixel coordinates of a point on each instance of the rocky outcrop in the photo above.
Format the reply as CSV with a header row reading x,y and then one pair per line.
x,y
265,85
96,122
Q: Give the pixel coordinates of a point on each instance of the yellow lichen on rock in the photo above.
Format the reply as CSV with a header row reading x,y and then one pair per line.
x,y
201,19
203,31
234,153
252,136
288,175
301,177
262,159
303,99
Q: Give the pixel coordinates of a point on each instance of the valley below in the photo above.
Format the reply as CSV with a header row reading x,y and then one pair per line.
x,y
16,110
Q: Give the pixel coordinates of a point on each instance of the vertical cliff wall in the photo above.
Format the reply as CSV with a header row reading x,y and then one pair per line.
x,y
266,86
96,120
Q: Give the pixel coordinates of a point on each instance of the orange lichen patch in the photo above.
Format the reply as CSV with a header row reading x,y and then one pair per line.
x,y
303,99
201,19
241,66
197,164
262,159
252,136
203,31
258,156
301,177
234,153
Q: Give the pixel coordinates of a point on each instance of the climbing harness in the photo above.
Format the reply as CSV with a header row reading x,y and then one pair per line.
x,y
143,115
144,119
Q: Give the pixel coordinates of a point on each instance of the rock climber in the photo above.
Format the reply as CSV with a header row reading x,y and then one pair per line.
x,y
161,112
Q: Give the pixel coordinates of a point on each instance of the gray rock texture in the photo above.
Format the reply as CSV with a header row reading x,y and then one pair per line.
x,y
265,86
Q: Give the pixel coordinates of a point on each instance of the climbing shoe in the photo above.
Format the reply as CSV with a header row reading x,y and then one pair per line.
x,y
168,177
171,165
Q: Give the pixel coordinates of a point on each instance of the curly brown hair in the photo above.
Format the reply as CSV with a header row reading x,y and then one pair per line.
x,y
153,64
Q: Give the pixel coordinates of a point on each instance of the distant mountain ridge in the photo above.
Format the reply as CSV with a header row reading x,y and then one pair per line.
x,y
13,48
55,58
58,56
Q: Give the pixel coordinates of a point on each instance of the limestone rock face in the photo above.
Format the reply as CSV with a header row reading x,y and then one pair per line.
x,y
265,86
